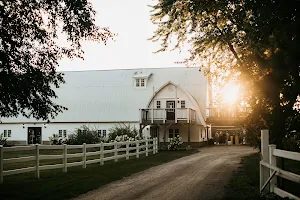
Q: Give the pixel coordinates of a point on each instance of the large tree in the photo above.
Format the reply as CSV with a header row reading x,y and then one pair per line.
x,y
258,40
30,49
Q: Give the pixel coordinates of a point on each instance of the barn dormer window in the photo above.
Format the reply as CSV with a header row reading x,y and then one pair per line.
x,y
140,82
141,79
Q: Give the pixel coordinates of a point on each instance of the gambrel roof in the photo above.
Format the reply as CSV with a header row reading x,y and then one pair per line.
x,y
111,95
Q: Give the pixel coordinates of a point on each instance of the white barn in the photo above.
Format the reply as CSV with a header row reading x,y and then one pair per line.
x,y
161,102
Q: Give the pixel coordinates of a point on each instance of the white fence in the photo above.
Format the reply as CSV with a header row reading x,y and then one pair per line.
x,y
150,145
269,169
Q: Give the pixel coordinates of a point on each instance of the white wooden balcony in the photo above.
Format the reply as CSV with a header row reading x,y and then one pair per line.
x,y
227,114
164,115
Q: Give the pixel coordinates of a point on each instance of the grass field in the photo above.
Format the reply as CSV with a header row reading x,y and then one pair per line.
x,y
54,184
244,183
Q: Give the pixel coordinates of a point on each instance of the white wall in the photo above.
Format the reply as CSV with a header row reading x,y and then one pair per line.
x,y
195,131
169,94
18,133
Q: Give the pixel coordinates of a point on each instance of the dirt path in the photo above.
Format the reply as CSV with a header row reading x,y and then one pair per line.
x,y
200,176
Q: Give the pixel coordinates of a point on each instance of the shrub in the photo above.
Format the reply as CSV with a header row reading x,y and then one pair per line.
x,y
85,135
291,142
2,140
123,130
56,140
175,143
81,135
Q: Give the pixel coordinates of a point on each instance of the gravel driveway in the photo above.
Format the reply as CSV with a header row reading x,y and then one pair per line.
x,y
199,176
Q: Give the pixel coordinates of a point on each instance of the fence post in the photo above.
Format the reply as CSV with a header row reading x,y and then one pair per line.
x,y
261,175
84,155
146,146
265,157
65,160
273,162
116,151
127,150
37,160
156,145
153,147
101,153
1,164
137,149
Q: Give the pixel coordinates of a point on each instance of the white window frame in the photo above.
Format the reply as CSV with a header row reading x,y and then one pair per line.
x,y
140,83
7,133
171,132
99,133
104,133
176,132
60,133
137,82
182,103
158,104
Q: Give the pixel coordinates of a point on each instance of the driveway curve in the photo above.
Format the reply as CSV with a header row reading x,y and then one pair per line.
x,y
202,175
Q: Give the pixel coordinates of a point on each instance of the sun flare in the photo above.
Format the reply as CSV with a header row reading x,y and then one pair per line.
x,y
229,93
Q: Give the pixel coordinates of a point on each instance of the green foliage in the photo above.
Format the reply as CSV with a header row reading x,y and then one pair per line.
x,y
175,143
254,42
29,51
56,140
291,141
122,130
84,135
2,140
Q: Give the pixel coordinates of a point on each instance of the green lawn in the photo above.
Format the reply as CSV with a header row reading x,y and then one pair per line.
x,y
54,184
244,183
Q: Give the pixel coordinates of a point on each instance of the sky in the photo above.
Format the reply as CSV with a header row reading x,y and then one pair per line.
x,y
131,48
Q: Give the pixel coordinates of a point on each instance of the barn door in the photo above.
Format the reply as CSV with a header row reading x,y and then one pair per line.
x,y
34,135
170,110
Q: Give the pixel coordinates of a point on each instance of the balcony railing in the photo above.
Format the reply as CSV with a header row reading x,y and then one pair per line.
x,y
165,114
227,112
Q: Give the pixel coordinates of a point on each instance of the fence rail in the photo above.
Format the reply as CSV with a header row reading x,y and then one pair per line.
x,y
269,169
150,145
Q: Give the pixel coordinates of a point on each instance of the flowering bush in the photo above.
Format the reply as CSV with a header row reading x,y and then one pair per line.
x,y
56,140
124,138
175,143
122,132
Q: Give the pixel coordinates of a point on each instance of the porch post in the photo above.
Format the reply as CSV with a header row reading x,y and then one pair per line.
x,y
165,134
140,131
207,135
176,105
189,135
158,136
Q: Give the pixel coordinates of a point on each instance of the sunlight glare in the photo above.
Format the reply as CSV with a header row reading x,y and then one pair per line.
x,y
230,93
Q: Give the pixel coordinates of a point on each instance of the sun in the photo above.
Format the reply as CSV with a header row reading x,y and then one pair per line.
x,y
230,93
